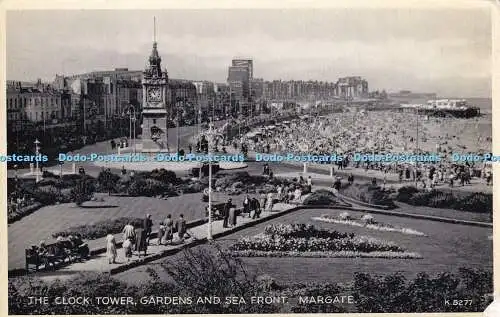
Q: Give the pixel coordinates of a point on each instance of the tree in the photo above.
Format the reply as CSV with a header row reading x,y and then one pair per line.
x,y
83,191
107,181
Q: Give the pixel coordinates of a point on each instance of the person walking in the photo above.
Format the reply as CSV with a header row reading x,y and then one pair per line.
x,y
246,205
141,244
225,211
148,227
127,249
111,249
350,179
269,202
232,217
129,232
181,227
169,230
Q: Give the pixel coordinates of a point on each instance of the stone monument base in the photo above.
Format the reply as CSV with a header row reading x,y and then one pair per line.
x,y
150,146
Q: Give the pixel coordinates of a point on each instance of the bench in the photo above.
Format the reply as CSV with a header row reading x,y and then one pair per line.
x,y
56,254
217,211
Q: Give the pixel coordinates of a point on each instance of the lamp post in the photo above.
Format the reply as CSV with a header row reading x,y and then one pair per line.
x,y
210,136
178,125
37,151
132,128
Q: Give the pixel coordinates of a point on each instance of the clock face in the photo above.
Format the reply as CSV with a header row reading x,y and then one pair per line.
x,y
154,94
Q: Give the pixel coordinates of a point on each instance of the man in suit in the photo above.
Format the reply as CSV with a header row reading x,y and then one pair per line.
x,y
148,226
256,208
227,208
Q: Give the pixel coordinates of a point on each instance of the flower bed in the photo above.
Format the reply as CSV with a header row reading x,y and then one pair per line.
x,y
48,191
330,254
16,213
309,241
100,229
369,224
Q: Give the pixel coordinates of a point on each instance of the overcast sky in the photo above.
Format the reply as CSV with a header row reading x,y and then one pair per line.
x,y
443,51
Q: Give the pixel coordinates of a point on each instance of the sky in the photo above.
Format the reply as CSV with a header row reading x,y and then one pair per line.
x,y
424,50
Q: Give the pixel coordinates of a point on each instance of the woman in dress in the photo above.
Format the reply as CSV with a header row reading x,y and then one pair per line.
x,y
111,248
169,230
269,202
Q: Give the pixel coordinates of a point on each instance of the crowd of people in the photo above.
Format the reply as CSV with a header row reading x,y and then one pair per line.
x,y
381,132
64,248
137,238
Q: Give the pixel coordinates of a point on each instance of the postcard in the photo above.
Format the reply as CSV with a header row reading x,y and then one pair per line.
x,y
249,158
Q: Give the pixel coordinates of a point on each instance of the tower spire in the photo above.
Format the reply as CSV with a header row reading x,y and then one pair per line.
x,y
154,29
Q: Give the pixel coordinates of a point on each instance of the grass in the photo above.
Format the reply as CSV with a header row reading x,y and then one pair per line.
x,y
50,219
447,247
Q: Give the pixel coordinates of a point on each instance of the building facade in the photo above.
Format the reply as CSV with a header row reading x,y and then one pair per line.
x,y
38,104
352,87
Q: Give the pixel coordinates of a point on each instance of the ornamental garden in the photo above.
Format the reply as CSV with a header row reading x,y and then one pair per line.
x,y
327,246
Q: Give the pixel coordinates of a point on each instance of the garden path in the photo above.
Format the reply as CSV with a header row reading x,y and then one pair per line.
x,y
99,262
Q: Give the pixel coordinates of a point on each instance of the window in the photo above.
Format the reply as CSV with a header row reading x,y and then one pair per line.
x,y
10,103
15,103
154,121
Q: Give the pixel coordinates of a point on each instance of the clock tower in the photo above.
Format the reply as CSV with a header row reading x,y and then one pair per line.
x,y
154,109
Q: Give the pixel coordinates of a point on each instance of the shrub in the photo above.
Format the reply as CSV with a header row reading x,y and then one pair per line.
x,y
100,229
195,187
321,198
47,195
368,193
476,202
165,176
15,214
83,191
405,193
108,181
49,181
47,174
84,284
395,294
203,272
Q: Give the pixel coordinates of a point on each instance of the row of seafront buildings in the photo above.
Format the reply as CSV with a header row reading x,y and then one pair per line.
x,y
103,96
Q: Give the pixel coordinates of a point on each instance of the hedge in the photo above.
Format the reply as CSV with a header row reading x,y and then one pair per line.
x,y
322,197
475,202
368,193
100,229
225,276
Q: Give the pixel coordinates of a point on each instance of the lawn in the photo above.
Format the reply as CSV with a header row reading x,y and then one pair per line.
x,y
446,248
47,220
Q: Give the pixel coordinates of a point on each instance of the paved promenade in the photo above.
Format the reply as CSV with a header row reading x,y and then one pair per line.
x,y
391,179
99,262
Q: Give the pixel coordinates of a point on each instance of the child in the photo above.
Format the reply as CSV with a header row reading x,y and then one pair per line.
x,y
127,248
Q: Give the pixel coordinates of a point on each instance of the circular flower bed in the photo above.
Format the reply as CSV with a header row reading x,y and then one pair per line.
x,y
309,241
